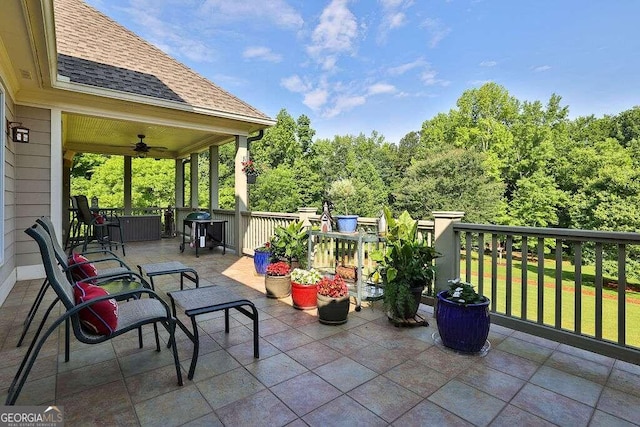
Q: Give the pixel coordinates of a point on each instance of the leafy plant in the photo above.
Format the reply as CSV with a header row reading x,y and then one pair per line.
x,y
280,268
404,264
290,243
333,288
305,277
264,248
463,293
342,194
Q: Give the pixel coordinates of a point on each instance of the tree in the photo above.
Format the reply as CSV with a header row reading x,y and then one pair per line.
x,y
304,133
451,180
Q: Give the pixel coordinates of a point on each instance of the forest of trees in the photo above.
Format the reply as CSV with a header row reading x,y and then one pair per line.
x,y
499,159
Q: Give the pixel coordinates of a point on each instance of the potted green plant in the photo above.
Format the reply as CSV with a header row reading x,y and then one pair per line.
x,y
277,280
303,288
341,193
333,301
404,265
463,317
262,258
290,243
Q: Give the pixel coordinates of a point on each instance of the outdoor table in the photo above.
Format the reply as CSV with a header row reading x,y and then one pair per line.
x,y
207,300
171,267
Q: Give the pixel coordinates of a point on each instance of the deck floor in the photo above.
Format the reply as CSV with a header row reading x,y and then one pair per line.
x,y
365,372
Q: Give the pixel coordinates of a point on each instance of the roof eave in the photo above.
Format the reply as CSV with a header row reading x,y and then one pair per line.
x,y
60,83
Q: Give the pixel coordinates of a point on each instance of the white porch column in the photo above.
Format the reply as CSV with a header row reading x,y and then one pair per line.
x,y
214,185
179,184
56,197
194,180
242,154
127,185
305,213
448,264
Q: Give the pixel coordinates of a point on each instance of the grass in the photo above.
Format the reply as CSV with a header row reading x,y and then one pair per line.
x,y
568,298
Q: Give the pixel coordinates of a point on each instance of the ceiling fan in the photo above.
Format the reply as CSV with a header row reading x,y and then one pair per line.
x,y
141,147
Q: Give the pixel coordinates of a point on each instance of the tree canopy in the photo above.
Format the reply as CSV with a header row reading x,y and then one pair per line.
x,y
500,159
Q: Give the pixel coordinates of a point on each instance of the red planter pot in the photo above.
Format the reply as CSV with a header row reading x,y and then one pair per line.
x,y
304,296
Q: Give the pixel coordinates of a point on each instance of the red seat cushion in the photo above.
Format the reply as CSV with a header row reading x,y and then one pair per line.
x,y
100,318
83,271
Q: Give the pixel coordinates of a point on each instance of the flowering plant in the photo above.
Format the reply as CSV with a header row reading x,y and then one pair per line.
x,y
264,248
280,268
333,288
305,277
463,293
249,167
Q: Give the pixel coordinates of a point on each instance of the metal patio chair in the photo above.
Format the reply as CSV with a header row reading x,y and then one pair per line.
x,y
97,227
133,314
106,277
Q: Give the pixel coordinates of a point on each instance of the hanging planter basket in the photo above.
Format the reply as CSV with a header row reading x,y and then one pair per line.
x,y
251,178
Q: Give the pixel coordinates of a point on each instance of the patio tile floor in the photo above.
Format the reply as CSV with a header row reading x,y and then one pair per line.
x,y
365,372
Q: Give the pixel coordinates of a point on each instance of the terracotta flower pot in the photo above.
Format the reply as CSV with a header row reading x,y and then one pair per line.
x,y
333,311
278,286
304,296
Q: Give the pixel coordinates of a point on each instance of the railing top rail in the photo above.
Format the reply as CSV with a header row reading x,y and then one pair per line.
x,y
564,233
279,215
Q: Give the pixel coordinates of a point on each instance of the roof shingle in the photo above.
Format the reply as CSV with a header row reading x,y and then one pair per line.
x,y
95,50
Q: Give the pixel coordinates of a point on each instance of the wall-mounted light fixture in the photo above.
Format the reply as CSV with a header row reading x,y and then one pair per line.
x,y
19,133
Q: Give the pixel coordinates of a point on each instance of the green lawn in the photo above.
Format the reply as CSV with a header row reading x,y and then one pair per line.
x,y
610,297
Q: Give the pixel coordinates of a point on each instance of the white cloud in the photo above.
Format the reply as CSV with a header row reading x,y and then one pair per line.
x,y
393,16
316,98
428,77
261,52
344,103
380,88
294,84
277,11
389,4
401,69
334,34
542,68
488,63
396,20
437,30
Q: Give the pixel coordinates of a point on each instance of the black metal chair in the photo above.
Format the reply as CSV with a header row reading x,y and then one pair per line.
x,y
133,314
106,277
98,227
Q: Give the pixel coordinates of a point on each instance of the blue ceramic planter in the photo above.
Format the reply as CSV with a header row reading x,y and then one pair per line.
x,y
462,327
347,223
261,261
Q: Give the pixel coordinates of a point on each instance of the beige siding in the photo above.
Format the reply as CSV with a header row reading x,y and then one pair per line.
x,y
32,180
7,269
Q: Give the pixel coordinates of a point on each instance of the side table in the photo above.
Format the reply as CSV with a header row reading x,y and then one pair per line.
x,y
170,267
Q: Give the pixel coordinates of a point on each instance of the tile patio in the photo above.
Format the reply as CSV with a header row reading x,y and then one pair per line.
x,y
366,372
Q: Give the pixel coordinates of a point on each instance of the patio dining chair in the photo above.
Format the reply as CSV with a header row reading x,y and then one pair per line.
x,y
97,227
132,314
106,276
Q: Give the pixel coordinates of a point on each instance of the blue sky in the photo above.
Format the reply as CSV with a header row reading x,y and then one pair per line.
x,y
356,66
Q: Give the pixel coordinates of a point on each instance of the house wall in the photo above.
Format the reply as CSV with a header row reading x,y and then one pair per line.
x,y
32,187
8,266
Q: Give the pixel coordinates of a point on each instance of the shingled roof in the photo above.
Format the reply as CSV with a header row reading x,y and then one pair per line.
x,y
95,50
